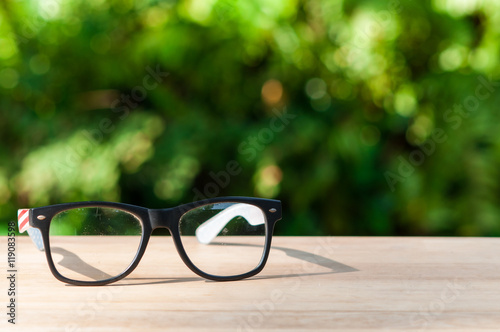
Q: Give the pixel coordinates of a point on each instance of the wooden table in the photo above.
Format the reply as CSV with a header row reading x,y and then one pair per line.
x,y
309,283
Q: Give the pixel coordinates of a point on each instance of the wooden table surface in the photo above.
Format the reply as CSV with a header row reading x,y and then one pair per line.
x,y
309,283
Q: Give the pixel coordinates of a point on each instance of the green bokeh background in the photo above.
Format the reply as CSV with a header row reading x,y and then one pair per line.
x,y
366,82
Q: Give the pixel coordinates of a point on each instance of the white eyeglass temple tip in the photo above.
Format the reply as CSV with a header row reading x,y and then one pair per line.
x,y
206,232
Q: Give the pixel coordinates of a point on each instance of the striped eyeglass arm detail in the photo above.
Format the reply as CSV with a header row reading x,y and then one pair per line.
x,y
23,221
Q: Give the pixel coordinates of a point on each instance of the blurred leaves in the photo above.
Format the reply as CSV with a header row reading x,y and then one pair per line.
x,y
82,116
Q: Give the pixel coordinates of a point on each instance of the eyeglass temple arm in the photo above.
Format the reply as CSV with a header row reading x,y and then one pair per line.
x,y
23,221
209,230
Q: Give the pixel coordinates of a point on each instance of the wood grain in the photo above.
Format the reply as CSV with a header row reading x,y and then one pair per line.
x,y
309,283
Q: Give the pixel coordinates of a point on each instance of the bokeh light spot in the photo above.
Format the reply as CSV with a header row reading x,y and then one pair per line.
x,y
405,101
452,58
39,64
272,92
420,130
155,17
482,59
456,8
7,48
200,10
268,180
49,9
316,88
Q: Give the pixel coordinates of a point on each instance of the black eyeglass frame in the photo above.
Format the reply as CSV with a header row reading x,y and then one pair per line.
x,y
152,219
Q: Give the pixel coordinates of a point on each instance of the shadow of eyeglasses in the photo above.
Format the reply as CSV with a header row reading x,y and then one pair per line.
x,y
332,265
73,262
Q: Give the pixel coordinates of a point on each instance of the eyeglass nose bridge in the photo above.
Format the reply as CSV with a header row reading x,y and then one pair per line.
x,y
162,218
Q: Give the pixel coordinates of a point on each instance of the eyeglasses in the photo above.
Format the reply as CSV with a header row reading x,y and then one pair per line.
x,y
221,239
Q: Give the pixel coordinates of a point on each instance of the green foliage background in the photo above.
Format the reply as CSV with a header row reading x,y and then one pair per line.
x,y
368,82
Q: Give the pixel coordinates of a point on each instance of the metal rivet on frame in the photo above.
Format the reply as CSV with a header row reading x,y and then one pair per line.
x,y
41,217
272,210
